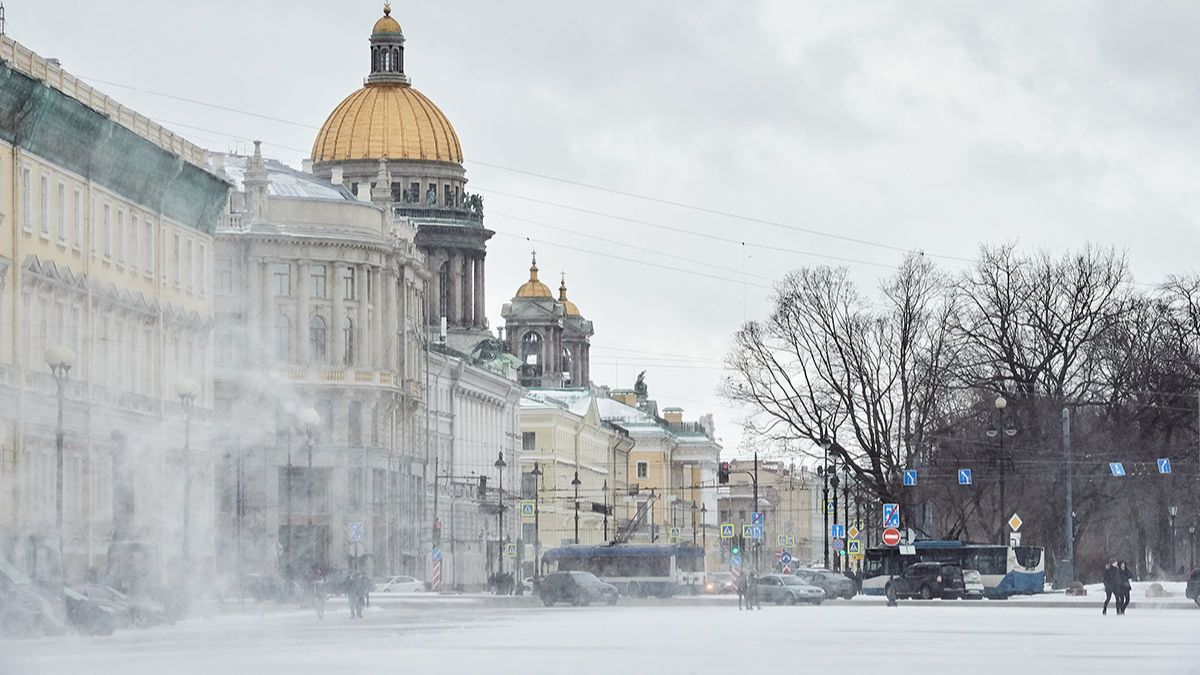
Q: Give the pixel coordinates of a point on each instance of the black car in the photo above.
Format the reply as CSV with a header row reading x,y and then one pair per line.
x,y
578,588
929,580
1193,586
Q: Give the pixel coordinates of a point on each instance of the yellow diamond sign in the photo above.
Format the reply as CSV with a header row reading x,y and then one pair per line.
x,y
1015,522
853,532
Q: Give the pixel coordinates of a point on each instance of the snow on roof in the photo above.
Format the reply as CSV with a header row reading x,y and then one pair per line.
x,y
284,181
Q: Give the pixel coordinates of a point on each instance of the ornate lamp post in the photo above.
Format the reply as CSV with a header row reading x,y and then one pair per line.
x,y
187,389
693,523
833,483
310,420
823,472
575,482
1001,403
499,464
704,535
537,525
1172,511
605,510
60,359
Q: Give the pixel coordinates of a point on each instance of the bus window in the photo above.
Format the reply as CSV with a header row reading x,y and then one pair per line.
x,y
1028,556
991,560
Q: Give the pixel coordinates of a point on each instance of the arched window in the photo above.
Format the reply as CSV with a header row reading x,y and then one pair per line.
x,y
283,339
566,365
317,339
348,340
531,355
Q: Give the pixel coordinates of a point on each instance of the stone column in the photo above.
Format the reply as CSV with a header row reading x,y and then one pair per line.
x,y
362,349
456,299
468,305
433,295
389,315
267,325
337,318
375,317
300,329
480,308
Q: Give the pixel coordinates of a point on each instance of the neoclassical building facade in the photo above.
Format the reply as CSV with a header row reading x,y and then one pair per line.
x,y
549,336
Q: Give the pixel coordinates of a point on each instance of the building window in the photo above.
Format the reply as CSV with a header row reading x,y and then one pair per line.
x,y
348,283
316,339
189,266
150,249
133,241
281,275
283,338
26,200
44,206
203,269
354,485
60,211
223,276
106,232
528,485
77,216
354,424
176,257
317,280
528,440
643,470
120,237
348,338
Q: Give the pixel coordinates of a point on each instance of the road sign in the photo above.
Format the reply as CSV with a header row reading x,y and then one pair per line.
x,y
1015,522
964,476
908,549
852,531
891,515
828,507
787,569
511,549
910,477
437,553
853,546
1014,539
727,530
791,541
747,531
528,509
1117,469
674,534
756,531
1164,465
785,558
756,518
837,531
735,560
891,536
781,540
838,544
356,532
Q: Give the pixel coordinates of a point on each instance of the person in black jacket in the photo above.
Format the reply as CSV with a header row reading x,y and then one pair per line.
x,y
1112,582
1124,586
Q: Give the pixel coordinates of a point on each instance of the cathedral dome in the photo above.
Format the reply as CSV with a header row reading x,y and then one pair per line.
x,y
387,118
534,288
568,306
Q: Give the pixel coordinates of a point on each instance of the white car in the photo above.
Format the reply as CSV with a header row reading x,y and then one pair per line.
x,y
972,585
399,584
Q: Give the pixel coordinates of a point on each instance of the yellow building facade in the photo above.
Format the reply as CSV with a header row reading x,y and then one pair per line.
x,y
106,224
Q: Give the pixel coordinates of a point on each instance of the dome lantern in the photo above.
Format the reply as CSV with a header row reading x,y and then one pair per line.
x,y
568,307
387,50
534,288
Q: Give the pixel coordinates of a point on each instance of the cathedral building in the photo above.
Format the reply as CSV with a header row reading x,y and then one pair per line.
x,y
549,336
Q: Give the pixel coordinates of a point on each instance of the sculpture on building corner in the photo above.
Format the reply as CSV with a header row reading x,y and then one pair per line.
x,y
639,387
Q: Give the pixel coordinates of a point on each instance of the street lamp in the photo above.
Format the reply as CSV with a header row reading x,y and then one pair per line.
x,y
1172,511
1192,536
605,488
823,472
576,483
187,390
309,421
833,483
693,523
537,526
992,432
60,359
499,464
704,535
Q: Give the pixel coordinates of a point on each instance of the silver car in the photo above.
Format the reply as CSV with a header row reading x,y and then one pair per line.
x,y
787,589
972,585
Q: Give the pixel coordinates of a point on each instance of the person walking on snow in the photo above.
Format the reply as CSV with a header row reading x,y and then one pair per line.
x,y
1111,583
1124,586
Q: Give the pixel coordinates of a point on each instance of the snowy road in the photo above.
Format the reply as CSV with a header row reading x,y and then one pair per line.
x,y
856,638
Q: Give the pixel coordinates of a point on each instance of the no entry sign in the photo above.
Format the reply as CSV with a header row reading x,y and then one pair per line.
x,y
891,536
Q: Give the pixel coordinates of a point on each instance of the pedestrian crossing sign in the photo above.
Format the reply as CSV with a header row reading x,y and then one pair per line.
x,y
828,507
853,546
781,540
747,531
791,541
528,509
511,550
727,530
674,534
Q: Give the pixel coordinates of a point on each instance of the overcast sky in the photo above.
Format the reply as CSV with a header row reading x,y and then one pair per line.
x,y
932,126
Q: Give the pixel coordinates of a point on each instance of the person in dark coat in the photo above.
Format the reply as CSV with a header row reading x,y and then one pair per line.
x,y
740,586
1111,583
1124,586
752,601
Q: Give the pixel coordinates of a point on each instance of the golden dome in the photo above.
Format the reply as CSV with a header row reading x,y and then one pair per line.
x,y
387,121
386,24
534,288
569,306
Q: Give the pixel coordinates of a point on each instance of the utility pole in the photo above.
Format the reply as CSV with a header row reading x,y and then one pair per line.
x,y
757,544
1067,575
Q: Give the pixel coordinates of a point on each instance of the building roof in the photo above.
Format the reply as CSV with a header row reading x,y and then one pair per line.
x,y
386,24
283,180
534,288
387,120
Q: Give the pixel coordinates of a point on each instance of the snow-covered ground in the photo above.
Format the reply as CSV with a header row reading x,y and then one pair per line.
x,y
458,638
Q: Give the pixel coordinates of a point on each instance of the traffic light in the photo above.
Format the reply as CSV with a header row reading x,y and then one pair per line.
x,y
736,549
723,473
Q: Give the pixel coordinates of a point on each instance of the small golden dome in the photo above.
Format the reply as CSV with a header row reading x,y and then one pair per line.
x,y
387,121
534,288
569,306
386,24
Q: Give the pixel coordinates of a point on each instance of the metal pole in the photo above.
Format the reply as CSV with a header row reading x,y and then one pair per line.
x,y
1003,474
1069,534
693,523
500,516
837,560
187,483
60,378
757,545
308,481
537,526
605,511
576,482
288,503
825,505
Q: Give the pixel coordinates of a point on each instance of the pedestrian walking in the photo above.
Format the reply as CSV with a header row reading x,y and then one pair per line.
x,y
752,601
740,586
891,592
319,594
1112,581
1125,586
354,593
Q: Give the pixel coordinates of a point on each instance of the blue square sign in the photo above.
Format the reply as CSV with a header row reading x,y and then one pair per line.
x,y
891,515
910,477
837,531
756,517
1164,465
964,476
1117,469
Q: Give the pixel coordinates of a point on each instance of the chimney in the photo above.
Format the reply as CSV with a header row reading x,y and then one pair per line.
x,y
673,415
306,165
336,177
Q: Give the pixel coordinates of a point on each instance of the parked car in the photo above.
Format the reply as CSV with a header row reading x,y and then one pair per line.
x,y
972,585
578,588
719,583
788,589
399,584
834,584
530,585
89,617
929,580
1193,586
129,612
